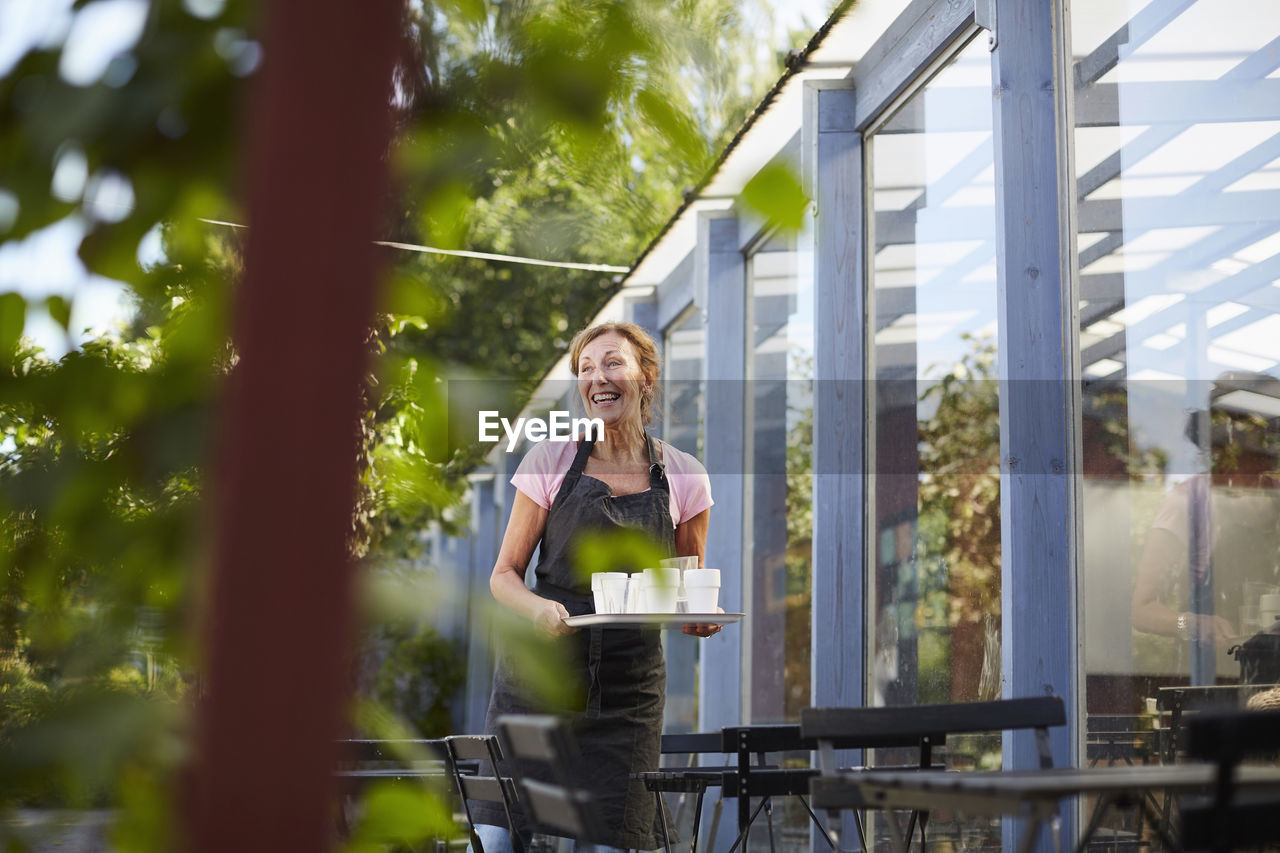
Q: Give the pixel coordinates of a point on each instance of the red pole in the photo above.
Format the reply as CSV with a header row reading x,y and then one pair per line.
x,y
281,611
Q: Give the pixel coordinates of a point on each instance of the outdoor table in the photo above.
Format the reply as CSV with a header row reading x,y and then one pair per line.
x,y
1034,795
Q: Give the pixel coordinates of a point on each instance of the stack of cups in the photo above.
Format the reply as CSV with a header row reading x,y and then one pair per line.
x,y
684,564
661,590
610,591
702,586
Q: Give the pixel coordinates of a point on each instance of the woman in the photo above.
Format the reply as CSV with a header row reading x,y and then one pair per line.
x,y
622,479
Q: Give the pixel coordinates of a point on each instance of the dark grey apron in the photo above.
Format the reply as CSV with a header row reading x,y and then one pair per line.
x,y
618,716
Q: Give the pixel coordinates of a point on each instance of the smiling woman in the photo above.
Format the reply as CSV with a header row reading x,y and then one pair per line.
x,y
621,480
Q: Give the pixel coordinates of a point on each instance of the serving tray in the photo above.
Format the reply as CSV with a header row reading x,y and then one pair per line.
x,y
619,620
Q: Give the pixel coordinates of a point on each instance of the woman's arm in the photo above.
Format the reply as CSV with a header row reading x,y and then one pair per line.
x,y
691,541
691,536
524,530
1162,555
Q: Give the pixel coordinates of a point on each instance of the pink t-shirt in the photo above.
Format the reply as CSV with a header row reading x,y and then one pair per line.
x,y
544,468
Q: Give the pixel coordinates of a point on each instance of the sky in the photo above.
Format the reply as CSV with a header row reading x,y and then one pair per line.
x,y
45,263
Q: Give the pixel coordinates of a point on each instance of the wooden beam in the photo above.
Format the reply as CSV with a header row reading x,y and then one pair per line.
x,y
1039,411
723,273
916,38
279,627
839,611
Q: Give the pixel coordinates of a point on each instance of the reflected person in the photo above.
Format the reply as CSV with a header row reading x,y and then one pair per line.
x,y
1214,537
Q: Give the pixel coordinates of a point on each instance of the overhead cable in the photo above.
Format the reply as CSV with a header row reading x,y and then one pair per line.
x,y
464,253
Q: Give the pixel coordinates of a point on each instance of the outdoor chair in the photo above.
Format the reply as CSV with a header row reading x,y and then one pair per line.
x,y
558,807
922,727
363,761
690,779
486,787
746,776
1228,819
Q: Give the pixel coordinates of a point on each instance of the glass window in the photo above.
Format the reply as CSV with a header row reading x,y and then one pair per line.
x,y
935,589
780,454
779,538
684,348
1177,152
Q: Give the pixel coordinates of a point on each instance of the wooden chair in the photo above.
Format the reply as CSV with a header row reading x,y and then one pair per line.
x,y
920,726
558,806
493,788
1227,819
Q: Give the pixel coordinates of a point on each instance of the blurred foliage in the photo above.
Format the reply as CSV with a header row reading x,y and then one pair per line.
x,y
546,128
775,192
614,551
799,523
958,547
420,676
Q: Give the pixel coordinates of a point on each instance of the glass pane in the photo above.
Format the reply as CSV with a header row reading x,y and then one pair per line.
x,y
781,454
1177,151
934,594
780,498
683,356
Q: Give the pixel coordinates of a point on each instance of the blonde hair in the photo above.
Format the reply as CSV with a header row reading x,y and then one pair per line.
x,y
646,351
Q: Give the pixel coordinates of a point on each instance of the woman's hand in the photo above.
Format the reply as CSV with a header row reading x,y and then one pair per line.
x,y
549,619
703,629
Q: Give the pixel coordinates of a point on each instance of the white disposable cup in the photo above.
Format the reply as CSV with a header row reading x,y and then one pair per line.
x,y
681,563
633,601
662,588
1268,610
660,599
613,591
702,590
684,564
597,591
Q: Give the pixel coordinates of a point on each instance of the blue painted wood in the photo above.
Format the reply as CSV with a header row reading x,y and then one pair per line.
x,y
720,262
480,603
921,33
839,485
675,292
839,441
1038,406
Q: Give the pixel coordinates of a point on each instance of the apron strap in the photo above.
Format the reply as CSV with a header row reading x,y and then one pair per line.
x,y
579,463
657,475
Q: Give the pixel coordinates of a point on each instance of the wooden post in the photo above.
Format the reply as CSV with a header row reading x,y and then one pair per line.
x,y
720,260
839,482
1039,409
278,628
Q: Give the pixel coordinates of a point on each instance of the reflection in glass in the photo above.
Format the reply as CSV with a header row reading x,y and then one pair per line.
x,y
780,501
935,594
684,348
1177,152
781,483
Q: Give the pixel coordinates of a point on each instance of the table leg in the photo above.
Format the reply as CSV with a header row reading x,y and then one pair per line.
x,y
697,818
901,842
662,819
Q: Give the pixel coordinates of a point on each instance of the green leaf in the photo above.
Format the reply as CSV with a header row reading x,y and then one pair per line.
x,y
13,318
776,193
59,309
615,551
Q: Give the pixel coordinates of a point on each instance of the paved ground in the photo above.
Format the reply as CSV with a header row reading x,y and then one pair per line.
x,y
59,831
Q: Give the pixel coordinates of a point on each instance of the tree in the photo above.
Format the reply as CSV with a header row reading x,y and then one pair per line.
x,y
959,522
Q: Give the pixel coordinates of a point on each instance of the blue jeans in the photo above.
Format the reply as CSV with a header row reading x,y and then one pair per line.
x,y
497,839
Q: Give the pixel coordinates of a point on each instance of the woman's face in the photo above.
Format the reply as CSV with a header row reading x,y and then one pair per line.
x,y
610,380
